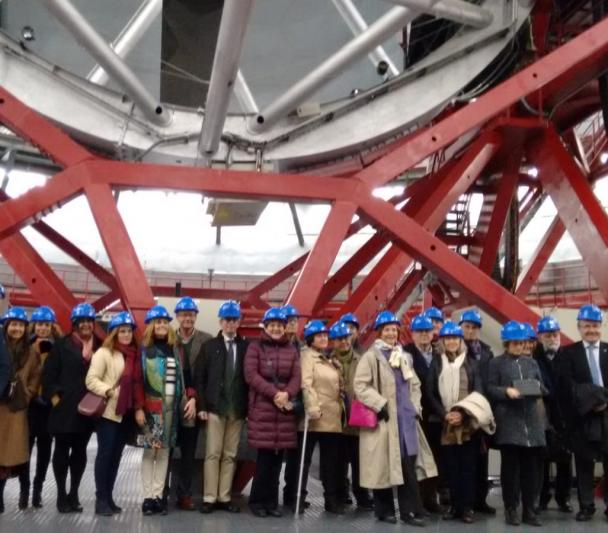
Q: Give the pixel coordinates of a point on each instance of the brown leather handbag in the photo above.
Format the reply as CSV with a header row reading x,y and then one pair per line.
x,y
92,405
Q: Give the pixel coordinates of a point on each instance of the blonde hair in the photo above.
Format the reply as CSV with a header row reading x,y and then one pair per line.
x,y
56,332
148,339
111,340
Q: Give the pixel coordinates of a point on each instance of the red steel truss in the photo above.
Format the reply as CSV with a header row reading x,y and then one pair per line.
x,y
504,135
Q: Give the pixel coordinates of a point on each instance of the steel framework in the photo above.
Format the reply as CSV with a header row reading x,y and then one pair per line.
x,y
504,136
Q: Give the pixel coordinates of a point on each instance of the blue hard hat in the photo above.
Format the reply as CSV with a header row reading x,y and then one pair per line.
x,y
451,329
124,318
547,324
421,322
513,331
434,314
15,313
230,309
158,311
350,318
44,314
530,333
590,312
290,311
83,311
274,313
339,330
384,318
471,315
186,304
313,327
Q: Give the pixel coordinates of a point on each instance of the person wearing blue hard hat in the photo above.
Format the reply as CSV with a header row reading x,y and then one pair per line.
x,y
421,353
583,370
291,328
396,448
437,317
355,328
322,391
530,343
24,380
548,356
63,385
190,341
272,371
452,379
342,351
115,374
43,333
222,404
471,324
514,387
169,402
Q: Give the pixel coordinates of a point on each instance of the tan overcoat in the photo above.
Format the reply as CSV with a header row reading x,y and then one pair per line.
x,y
379,450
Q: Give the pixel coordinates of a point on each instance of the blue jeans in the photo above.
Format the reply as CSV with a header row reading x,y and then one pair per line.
x,y
111,439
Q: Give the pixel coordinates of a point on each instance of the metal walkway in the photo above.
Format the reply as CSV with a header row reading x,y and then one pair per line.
x,y
128,496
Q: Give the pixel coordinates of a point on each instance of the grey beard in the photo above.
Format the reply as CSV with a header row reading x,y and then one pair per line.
x,y
551,346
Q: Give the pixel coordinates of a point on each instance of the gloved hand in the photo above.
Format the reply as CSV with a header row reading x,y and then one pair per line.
x,y
383,414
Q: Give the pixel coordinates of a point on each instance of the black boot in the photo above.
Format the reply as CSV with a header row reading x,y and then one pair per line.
x,y
2,484
37,495
63,504
24,487
74,502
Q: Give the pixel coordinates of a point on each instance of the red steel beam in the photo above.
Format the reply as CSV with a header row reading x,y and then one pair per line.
x,y
318,264
540,257
371,294
47,137
103,275
419,193
45,286
295,266
558,74
25,209
135,293
577,205
507,190
446,264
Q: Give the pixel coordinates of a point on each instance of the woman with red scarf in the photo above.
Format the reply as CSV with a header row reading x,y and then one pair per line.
x,y
115,373
63,377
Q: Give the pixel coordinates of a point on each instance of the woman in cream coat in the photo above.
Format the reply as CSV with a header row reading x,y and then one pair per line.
x,y
395,453
115,373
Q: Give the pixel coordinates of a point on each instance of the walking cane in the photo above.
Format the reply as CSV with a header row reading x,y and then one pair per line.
x,y
297,512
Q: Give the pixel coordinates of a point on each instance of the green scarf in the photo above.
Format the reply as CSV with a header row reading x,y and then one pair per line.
x,y
345,359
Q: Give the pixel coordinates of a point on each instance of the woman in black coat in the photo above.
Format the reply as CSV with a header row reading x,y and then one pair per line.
x,y
451,378
520,428
63,383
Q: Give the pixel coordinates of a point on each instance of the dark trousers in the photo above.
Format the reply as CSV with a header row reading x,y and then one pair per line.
x,y
111,440
428,487
408,496
563,481
41,438
585,480
461,463
292,471
520,473
332,466
187,439
265,486
482,486
349,452
70,455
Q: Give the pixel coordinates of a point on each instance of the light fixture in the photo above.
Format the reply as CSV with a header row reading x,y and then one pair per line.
x,y
604,158
27,33
532,172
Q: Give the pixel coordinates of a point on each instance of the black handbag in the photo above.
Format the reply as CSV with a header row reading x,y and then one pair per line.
x,y
528,387
17,397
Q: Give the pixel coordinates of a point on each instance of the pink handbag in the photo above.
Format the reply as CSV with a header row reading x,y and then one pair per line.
x,y
361,416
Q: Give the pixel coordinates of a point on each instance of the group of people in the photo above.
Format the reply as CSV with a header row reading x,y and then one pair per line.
x,y
419,418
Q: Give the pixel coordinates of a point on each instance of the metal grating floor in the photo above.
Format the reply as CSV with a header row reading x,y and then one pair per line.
x,y
128,496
